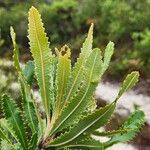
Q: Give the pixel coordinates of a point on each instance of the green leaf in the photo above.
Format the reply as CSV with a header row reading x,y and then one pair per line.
x,y
77,73
42,57
62,75
87,144
29,111
87,124
133,125
14,118
15,51
78,104
24,77
33,142
5,145
128,83
7,127
107,56
4,137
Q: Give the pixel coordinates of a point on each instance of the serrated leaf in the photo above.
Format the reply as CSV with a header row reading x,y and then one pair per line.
x,y
24,78
78,104
33,142
62,75
133,124
28,106
15,51
128,83
31,112
88,124
4,137
76,76
107,55
5,145
42,57
4,124
13,116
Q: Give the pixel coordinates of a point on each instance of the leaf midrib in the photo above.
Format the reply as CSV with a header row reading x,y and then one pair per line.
x,y
42,65
73,83
81,66
32,122
28,105
61,93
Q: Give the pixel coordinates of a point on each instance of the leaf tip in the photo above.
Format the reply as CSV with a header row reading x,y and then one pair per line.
x,y
33,10
111,45
12,34
136,73
90,32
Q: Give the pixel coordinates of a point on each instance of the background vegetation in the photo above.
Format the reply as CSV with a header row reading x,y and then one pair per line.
x,y
125,22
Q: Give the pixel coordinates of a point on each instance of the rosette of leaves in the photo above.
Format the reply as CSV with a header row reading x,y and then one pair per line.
x,y
71,117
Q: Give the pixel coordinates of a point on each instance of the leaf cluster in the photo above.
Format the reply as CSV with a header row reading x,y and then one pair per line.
x,y
71,117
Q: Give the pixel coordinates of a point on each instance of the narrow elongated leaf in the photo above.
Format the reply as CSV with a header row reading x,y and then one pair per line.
x,y
42,57
76,76
15,51
28,106
107,55
63,73
88,124
14,119
128,83
133,124
24,77
78,104
33,141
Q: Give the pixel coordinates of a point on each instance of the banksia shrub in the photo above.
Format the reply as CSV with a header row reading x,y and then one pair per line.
x,y
71,117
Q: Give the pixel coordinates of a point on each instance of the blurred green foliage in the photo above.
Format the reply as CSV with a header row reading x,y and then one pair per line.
x,y
126,22
142,44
